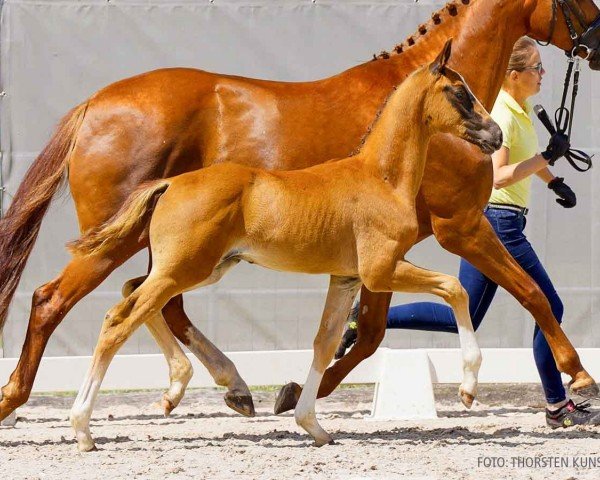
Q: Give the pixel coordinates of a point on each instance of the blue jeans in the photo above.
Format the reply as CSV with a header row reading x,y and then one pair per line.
x,y
437,317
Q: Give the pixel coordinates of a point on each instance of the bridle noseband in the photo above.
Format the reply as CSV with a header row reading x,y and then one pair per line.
x,y
570,10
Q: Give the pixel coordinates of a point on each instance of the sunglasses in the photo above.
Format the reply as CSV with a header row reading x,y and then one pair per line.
x,y
538,68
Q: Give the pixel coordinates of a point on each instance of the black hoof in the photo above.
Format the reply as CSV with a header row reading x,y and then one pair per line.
x,y
240,403
590,391
288,397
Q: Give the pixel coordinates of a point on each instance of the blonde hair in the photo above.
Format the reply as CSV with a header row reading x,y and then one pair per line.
x,y
519,58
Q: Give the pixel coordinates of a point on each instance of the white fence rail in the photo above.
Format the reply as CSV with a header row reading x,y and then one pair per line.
x,y
500,365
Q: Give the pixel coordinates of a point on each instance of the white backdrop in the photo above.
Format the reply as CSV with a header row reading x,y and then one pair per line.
x,y
55,53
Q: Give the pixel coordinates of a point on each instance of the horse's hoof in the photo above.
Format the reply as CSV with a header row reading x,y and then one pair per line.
x,y
10,420
587,390
466,398
240,403
167,405
288,397
320,443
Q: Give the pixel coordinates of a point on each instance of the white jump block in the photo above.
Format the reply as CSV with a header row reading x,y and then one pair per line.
x,y
10,421
404,390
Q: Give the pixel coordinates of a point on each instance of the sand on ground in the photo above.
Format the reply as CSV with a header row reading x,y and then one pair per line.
x,y
503,436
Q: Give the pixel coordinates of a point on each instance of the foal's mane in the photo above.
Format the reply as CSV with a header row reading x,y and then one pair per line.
x,y
451,9
357,150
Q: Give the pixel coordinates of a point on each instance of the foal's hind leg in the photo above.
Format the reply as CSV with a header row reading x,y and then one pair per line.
x,y
120,322
180,368
221,368
407,277
339,301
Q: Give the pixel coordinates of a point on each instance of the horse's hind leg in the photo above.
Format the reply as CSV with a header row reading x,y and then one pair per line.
x,y
50,304
120,322
339,301
221,368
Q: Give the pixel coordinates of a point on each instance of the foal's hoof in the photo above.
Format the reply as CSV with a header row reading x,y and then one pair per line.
x,y
86,445
240,403
167,405
466,398
87,448
585,387
321,443
288,397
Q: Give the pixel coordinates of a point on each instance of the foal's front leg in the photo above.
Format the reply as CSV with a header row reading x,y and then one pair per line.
x,y
340,296
407,277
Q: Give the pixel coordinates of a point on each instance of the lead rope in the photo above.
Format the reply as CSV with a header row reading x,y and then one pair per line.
x,y
563,118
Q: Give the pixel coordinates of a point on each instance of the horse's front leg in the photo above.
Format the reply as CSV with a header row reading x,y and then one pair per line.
x,y
473,238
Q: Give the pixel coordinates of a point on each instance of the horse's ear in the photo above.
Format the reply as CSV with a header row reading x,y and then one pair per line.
x,y
437,66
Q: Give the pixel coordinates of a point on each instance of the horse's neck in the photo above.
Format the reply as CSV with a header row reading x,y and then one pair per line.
x,y
396,148
483,33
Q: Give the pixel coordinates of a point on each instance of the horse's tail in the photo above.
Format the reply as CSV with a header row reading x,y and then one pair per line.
x,y
20,227
131,215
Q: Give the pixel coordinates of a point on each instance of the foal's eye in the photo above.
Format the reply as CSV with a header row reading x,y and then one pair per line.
x,y
463,98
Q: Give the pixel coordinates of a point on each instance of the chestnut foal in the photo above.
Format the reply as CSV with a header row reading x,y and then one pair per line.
x,y
354,219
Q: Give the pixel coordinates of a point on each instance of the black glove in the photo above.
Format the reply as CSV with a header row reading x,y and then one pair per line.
x,y
567,196
557,147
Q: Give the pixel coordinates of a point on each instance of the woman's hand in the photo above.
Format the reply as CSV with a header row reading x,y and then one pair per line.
x,y
567,199
558,146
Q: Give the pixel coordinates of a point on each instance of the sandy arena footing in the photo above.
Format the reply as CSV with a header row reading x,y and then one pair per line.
x,y
504,436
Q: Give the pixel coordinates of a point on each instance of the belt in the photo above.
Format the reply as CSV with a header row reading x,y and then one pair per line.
x,y
508,206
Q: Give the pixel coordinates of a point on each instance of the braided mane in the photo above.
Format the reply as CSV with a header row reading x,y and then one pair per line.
x,y
449,10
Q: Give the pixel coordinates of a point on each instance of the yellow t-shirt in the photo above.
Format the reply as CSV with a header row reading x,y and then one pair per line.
x,y
520,138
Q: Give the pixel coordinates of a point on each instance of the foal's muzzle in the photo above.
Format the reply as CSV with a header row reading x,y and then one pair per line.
x,y
488,138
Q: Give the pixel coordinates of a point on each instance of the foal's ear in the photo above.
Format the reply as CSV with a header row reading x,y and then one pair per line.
x,y
437,66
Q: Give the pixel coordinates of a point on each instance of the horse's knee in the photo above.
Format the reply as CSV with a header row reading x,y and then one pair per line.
x,y
534,300
454,292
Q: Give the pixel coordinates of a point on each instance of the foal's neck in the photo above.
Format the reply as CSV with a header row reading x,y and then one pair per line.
x,y
396,148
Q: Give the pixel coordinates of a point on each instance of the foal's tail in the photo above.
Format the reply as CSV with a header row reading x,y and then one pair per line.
x,y
20,227
132,214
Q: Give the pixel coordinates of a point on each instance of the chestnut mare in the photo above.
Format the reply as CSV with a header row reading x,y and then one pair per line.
x,y
167,122
353,218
